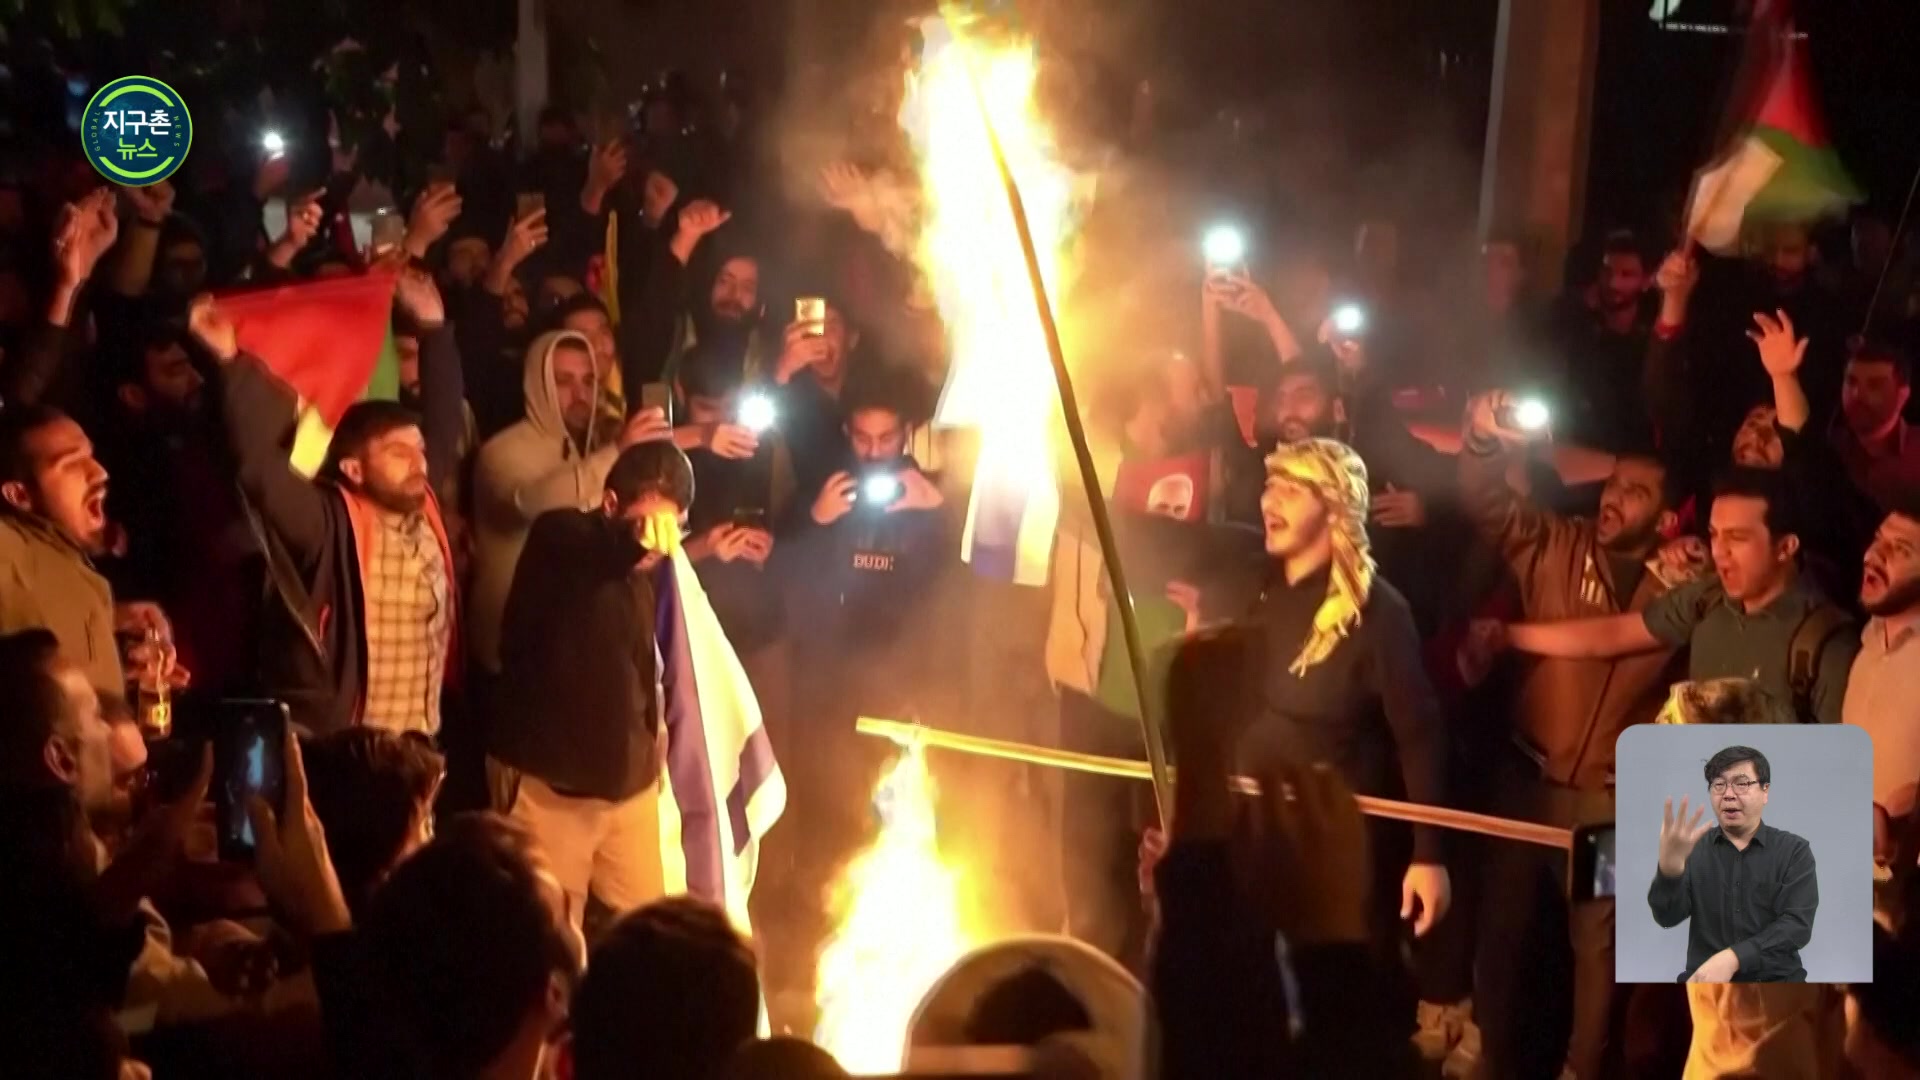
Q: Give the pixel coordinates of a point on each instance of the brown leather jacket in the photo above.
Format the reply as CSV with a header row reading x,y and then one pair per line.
x,y
1568,711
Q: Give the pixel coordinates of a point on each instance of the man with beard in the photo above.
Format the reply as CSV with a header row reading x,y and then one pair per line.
x,y
1881,457
727,318
1883,689
809,379
1341,679
366,628
1759,618
1557,765
1604,340
53,525
186,541
556,458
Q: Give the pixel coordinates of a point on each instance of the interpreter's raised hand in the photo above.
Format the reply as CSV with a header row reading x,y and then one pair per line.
x,y
916,493
1678,834
151,203
1309,865
213,329
1718,968
1426,892
433,214
1396,509
290,854
657,196
1781,353
835,500
804,347
420,298
647,425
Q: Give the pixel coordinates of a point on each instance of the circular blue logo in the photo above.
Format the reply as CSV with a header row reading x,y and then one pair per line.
x,y
136,131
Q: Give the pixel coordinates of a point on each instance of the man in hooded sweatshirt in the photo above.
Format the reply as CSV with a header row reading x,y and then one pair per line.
x,y
556,458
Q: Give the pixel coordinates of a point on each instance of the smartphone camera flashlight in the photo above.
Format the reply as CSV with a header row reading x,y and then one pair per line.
x,y
880,489
757,413
273,143
1531,414
1349,319
1224,246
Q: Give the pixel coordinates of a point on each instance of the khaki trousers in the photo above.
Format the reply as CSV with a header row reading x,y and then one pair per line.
x,y
611,849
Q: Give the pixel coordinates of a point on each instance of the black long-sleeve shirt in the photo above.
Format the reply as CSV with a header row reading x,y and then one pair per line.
x,y
1364,706
1758,902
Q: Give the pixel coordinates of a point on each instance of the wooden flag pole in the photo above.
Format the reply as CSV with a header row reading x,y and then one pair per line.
x,y
905,733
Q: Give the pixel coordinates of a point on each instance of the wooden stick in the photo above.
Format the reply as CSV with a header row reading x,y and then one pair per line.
x,y
904,732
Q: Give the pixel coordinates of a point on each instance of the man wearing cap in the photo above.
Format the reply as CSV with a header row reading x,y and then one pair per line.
x,y
1339,676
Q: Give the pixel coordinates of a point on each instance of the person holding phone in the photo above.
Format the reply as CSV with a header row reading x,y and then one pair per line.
x,y
556,457
810,379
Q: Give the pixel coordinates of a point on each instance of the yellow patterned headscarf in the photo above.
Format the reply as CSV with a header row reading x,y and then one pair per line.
x,y
1338,477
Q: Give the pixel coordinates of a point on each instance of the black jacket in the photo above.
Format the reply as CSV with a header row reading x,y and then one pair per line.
x,y
579,698
312,644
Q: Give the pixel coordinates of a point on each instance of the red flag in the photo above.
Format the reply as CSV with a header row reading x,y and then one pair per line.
x,y
323,337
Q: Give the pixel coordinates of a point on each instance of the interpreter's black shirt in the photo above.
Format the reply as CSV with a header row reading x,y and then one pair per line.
x,y
1758,902
1368,709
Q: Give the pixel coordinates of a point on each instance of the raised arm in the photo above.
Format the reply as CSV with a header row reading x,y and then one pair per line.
x,y
1515,527
1782,353
443,390
259,411
131,267
1792,925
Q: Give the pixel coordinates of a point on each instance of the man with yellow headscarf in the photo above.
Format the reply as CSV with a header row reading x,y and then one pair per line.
x,y
1339,679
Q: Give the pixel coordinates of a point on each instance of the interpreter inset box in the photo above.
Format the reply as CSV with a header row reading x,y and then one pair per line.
x,y
1743,853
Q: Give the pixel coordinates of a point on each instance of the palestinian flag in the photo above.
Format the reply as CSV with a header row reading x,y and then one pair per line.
x,y
331,340
1777,165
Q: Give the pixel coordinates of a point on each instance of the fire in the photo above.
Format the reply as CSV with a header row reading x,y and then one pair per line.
x,y
906,923
909,914
999,380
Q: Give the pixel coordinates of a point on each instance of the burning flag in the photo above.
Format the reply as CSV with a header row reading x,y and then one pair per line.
x,y
1780,166
999,380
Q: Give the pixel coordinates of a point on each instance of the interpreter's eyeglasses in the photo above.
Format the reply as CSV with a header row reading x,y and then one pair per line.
x,y
1741,785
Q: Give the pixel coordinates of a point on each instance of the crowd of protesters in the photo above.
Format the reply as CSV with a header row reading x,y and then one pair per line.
x,y
1389,583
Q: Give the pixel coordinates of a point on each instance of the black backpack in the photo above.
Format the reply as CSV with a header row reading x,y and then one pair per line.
x,y
1817,627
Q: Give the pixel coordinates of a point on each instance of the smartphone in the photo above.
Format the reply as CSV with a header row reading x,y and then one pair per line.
x,y
527,202
440,173
811,312
878,488
389,230
1526,414
1593,865
249,748
657,395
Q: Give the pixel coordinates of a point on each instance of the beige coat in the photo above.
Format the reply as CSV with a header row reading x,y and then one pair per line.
x,y
46,581
523,472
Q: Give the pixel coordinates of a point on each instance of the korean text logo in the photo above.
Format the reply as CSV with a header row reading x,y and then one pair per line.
x,y
136,131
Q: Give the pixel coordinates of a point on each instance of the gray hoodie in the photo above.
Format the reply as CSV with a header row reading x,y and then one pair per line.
x,y
523,472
